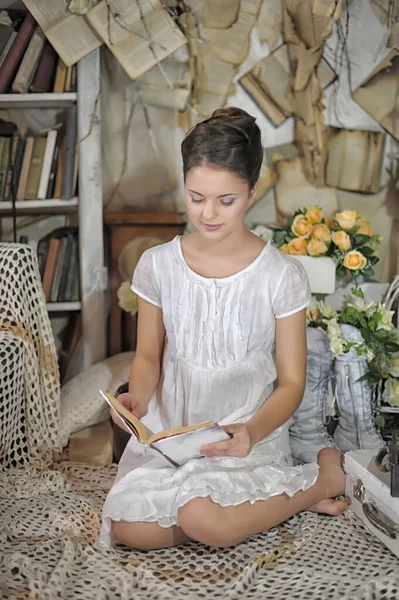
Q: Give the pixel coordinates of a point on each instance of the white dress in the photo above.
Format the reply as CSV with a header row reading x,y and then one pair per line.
x,y
218,365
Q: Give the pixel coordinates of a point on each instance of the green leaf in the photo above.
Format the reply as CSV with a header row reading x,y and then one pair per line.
x,y
367,271
373,260
359,240
358,292
340,271
391,347
367,252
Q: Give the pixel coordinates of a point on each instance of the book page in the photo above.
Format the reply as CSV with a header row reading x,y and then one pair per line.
x,y
145,38
69,34
186,446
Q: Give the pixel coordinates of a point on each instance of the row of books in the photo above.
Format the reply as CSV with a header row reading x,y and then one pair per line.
x,y
29,63
41,166
58,258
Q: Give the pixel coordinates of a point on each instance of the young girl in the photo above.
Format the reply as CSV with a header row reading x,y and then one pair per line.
x,y
222,337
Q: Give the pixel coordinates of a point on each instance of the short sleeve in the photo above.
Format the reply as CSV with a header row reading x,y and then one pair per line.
x,y
293,292
144,282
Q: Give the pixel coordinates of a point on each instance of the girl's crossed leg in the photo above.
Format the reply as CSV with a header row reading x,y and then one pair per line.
x,y
204,521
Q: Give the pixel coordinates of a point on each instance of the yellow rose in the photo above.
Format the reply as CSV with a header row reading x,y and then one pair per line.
x,y
355,261
301,226
346,219
297,246
330,223
312,312
314,214
364,226
321,232
316,247
342,240
284,248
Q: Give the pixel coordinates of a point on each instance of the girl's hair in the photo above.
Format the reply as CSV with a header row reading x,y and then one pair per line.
x,y
230,139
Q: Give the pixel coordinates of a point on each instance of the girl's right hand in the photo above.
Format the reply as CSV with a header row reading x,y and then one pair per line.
x,y
132,405
139,409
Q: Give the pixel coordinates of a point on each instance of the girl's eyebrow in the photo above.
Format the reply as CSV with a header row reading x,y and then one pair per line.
x,y
221,196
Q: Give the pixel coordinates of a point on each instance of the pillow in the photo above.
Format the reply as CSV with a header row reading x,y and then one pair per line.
x,y
81,404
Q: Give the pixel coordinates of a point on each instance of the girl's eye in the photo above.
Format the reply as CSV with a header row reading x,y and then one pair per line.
x,y
196,200
228,202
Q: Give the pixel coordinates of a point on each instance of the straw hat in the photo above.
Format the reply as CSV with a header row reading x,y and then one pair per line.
x,y
130,255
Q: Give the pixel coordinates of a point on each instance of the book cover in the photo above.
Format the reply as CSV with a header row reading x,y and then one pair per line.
x,y
60,167
35,169
70,154
54,166
73,272
23,178
14,142
42,250
7,47
6,32
47,163
4,160
60,75
14,55
178,445
43,79
29,63
66,267
50,266
18,165
55,284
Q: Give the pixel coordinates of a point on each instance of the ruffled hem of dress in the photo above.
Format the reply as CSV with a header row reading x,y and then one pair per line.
x,y
145,509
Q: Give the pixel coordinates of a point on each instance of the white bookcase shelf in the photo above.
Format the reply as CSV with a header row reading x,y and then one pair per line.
x,y
63,306
37,100
37,207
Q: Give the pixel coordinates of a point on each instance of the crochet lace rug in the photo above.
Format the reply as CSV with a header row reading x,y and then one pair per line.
x,y
49,521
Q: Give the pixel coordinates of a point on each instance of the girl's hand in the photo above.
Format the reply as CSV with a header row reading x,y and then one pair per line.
x,y
138,409
239,445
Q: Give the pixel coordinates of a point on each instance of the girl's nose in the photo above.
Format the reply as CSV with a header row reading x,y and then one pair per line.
x,y
209,212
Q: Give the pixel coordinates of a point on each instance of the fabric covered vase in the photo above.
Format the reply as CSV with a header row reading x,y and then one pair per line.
x,y
308,433
356,427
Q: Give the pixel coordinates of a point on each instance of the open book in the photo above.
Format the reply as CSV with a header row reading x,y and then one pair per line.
x,y
179,445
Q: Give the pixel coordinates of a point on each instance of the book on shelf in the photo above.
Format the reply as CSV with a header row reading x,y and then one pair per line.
x,y
178,445
57,255
15,141
7,36
23,178
44,77
13,58
30,63
39,167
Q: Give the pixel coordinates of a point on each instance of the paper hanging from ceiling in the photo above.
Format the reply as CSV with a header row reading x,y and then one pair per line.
x,y
269,84
378,95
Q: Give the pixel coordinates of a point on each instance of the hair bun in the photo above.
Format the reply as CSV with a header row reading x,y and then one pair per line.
x,y
231,113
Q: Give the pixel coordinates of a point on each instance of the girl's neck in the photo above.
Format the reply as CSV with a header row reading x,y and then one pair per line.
x,y
227,246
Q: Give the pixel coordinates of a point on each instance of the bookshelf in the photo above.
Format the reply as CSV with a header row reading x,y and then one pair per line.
x,y
38,100
88,206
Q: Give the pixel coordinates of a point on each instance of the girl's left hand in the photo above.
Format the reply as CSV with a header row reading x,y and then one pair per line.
x,y
239,445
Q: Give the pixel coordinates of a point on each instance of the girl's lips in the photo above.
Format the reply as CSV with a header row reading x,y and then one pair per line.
x,y
211,227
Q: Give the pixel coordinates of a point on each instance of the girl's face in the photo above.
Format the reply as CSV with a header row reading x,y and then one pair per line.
x,y
217,201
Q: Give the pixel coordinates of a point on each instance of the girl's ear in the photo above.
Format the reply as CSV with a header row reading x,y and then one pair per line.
x,y
252,194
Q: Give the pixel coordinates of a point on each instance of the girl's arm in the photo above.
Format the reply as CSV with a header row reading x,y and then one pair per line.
x,y
291,378
282,403
146,367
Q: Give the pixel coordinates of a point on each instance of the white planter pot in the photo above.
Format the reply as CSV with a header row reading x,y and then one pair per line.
x,y
321,273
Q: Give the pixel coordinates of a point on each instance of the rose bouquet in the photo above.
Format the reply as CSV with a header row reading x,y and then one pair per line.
x,y
380,343
347,238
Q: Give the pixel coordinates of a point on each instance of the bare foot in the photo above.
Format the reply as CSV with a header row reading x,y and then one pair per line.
x,y
332,474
